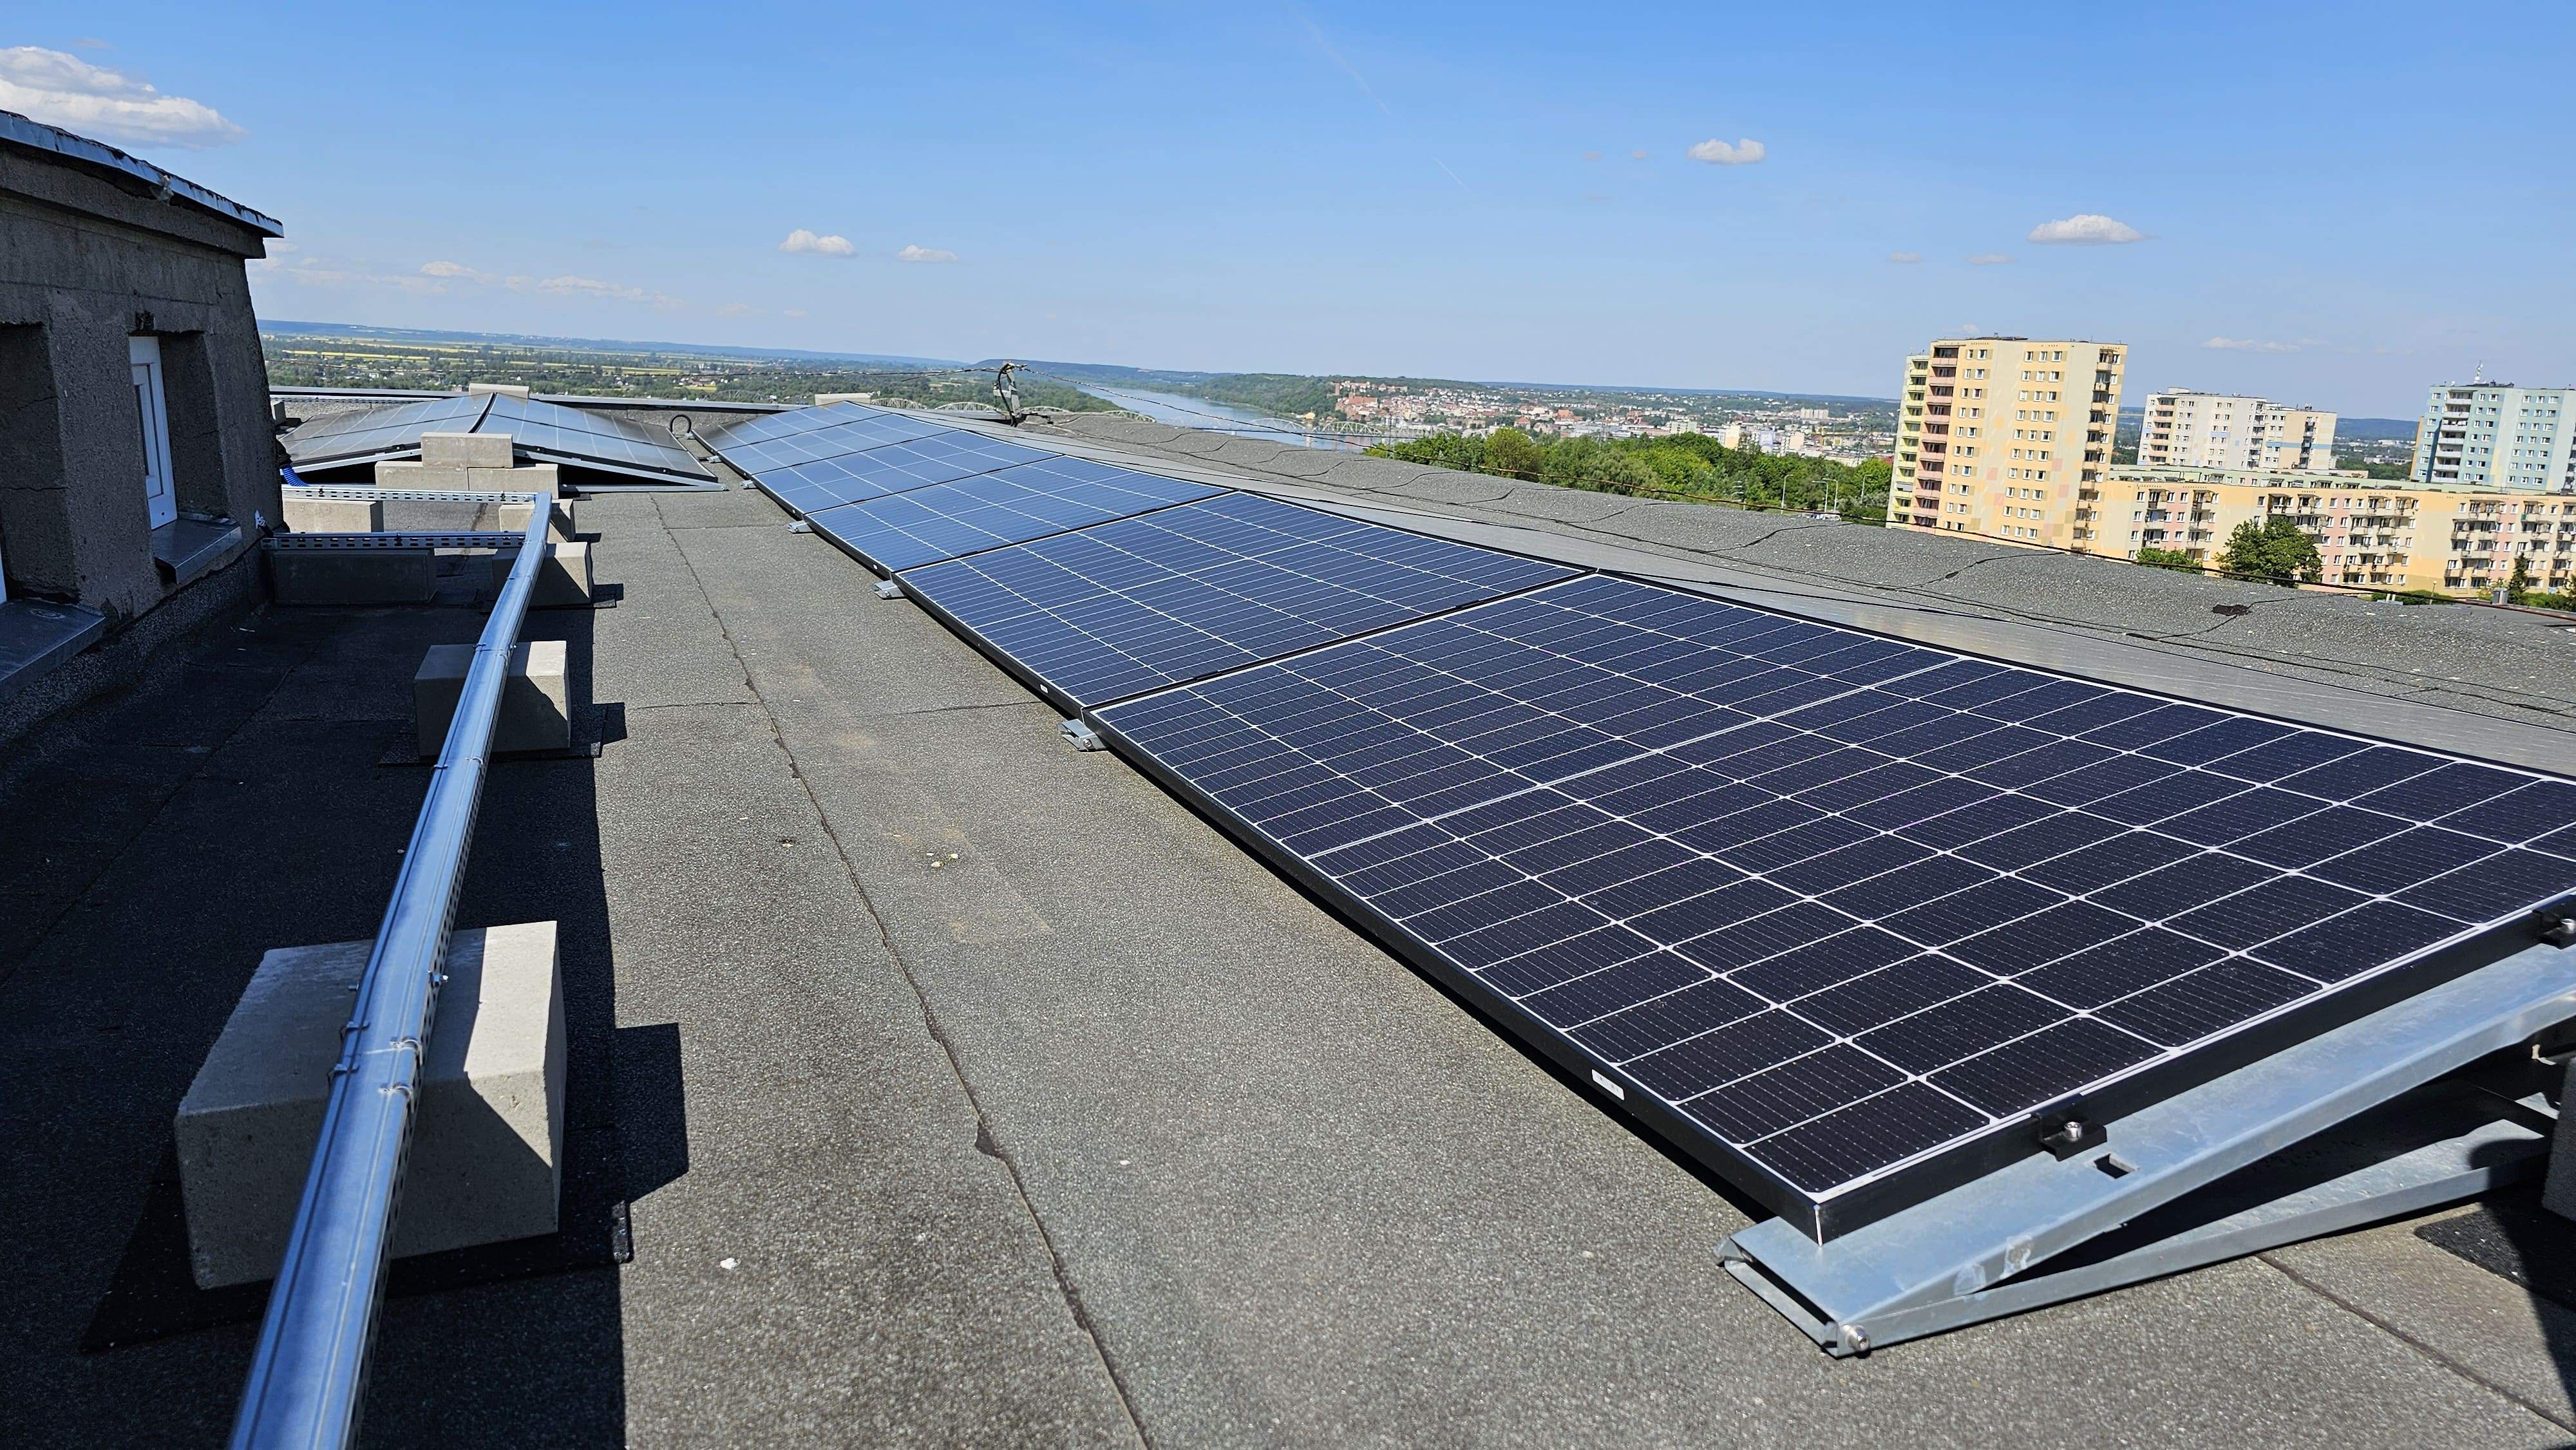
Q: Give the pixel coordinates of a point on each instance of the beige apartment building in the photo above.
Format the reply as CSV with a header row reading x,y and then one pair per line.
x,y
2186,429
2368,533
2007,437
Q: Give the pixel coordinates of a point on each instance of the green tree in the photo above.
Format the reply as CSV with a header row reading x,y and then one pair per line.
x,y
2275,551
2518,588
1513,454
2169,559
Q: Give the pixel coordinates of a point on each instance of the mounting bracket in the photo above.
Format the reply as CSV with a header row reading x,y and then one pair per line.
x,y
2241,1163
889,589
1083,736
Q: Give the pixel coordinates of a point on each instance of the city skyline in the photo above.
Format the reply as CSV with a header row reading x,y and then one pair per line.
x,y
1449,193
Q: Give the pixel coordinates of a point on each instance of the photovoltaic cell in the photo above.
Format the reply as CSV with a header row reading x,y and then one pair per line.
x,y
891,468
381,432
545,430
1014,505
779,441
596,440
1123,607
1842,907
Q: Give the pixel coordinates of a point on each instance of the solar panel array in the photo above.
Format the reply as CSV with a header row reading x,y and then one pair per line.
x,y
545,430
1014,505
381,432
596,440
1843,912
1139,603
1842,904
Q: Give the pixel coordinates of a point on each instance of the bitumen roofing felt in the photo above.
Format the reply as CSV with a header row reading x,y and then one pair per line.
x,y
971,1089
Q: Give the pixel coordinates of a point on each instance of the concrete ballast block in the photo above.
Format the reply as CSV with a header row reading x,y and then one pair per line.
x,y
2558,1195
306,514
486,1163
514,517
465,450
536,702
821,398
563,580
353,576
507,390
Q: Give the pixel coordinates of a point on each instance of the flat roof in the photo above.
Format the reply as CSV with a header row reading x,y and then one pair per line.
x,y
17,130
968,1087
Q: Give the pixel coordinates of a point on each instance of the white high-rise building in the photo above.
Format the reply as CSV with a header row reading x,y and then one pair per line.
x,y
2496,437
2184,429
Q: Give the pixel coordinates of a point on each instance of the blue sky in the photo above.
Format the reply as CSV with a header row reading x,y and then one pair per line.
x,y
2338,204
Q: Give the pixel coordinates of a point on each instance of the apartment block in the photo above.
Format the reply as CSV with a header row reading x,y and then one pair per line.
x,y
2006,437
2372,534
2185,429
2496,436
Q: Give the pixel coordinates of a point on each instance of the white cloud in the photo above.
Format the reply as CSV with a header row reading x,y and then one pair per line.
x,y
792,312
456,271
2085,229
2249,344
332,273
1990,259
925,254
277,249
61,89
1905,259
1637,155
1591,155
736,309
808,244
1718,153
608,291
91,42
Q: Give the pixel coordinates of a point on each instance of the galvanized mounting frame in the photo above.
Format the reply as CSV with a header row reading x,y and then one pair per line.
x,y
2236,1165
1082,735
451,539
364,492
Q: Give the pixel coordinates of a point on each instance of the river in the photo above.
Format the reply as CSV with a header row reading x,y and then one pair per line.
x,y
1213,417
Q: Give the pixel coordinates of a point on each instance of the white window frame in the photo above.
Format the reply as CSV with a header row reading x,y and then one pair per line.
x,y
152,402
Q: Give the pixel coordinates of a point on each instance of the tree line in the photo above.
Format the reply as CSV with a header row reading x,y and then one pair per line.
x,y
1687,466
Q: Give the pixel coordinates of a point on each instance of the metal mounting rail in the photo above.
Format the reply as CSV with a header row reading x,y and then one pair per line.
x,y
415,539
309,1375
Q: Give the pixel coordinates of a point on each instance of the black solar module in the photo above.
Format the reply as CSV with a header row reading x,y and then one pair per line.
x,y
1030,501
382,432
778,441
541,429
569,435
891,468
1128,606
1840,914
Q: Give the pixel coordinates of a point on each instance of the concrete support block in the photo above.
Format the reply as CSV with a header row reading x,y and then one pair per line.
x,y
514,516
306,514
507,390
2559,1194
542,478
821,398
401,473
465,450
353,576
563,581
536,701
486,1161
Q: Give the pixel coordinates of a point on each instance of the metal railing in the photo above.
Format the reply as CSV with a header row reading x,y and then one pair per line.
x,y
309,1375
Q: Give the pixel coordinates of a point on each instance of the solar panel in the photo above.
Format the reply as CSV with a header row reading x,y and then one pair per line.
x,y
892,468
1129,606
542,429
1840,914
592,440
811,434
381,432
1030,501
